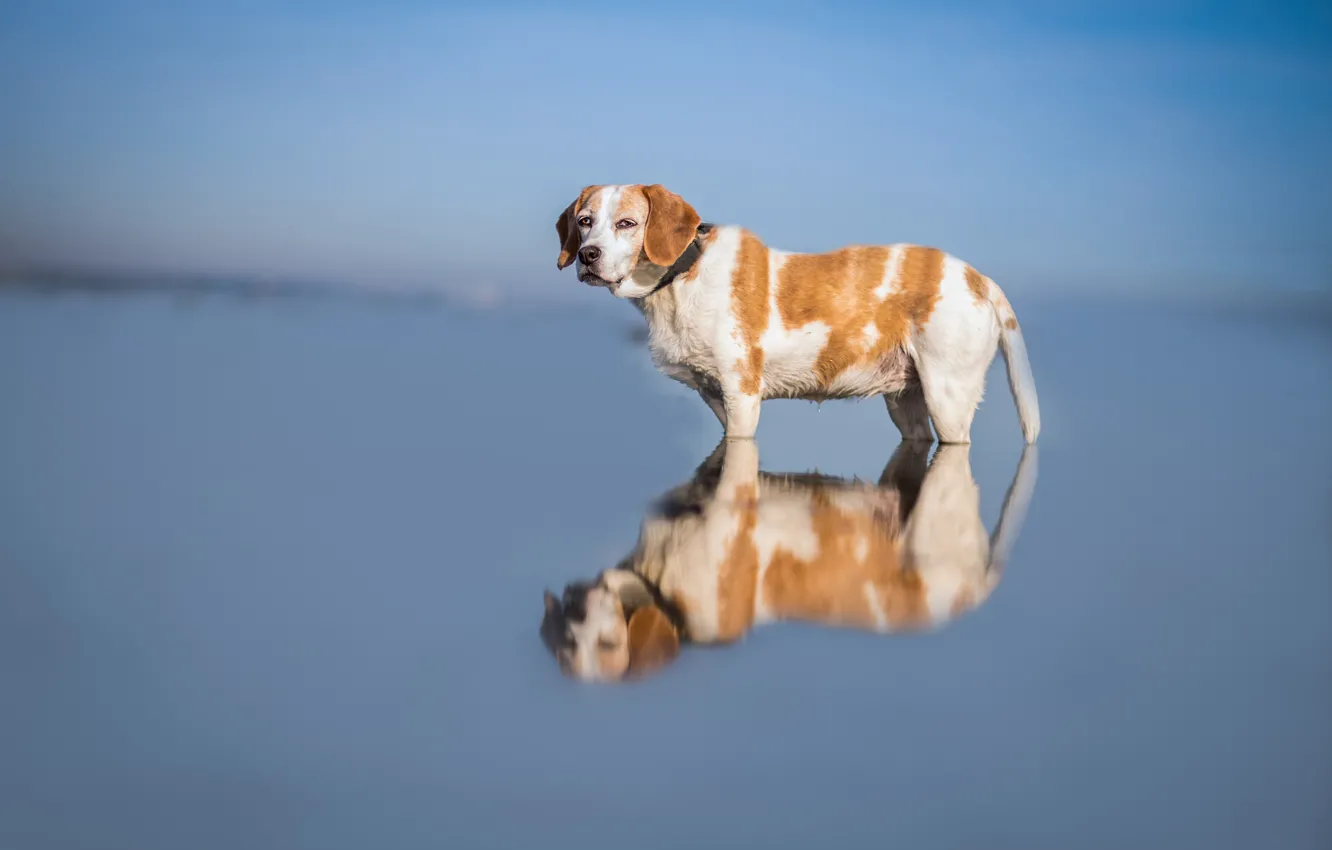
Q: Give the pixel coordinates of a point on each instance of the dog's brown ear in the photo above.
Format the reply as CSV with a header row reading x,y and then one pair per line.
x,y
570,239
671,225
653,641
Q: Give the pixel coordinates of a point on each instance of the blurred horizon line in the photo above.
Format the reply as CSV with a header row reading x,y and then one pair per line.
x,y
453,290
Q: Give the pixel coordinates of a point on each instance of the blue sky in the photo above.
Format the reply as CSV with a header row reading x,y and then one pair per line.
x,y
1174,147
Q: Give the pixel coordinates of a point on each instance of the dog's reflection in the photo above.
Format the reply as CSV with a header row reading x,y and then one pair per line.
x,y
736,547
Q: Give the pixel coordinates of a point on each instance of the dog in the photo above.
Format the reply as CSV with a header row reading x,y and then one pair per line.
x,y
735,548
740,322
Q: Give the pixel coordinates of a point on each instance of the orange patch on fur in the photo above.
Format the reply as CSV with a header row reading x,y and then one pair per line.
x,y
836,586
914,293
653,641
976,282
837,288
737,580
1011,323
749,298
634,203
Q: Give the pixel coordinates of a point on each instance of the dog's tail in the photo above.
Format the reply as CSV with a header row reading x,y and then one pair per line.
x,y
1020,379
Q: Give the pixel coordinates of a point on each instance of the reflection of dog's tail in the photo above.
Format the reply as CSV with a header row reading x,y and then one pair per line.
x,y
1012,514
1020,379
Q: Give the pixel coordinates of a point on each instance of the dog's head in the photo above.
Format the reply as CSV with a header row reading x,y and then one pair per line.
x,y
625,237
608,630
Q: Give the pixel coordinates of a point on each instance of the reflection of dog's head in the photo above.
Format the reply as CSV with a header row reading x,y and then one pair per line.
x,y
608,630
735,547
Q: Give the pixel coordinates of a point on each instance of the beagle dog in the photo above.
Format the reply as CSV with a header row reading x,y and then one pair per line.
x,y
740,322
735,548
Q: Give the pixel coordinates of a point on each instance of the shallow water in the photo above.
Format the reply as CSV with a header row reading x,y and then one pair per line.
x,y
271,576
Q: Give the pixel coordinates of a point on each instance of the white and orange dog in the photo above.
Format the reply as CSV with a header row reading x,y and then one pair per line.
x,y
735,548
741,322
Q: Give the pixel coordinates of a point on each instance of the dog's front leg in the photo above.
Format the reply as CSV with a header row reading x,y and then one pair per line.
x,y
742,413
741,382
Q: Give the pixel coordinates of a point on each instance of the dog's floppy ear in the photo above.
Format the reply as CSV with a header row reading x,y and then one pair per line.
x,y
552,623
653,641
570,238
671,225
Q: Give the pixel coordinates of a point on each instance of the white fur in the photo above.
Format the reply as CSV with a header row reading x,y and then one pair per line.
x,y
618,265
944,536
695,338
604,622
692,330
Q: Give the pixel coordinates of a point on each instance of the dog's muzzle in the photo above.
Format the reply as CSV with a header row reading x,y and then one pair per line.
x,y
591,279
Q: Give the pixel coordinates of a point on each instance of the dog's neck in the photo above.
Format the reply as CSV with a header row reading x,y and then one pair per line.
x,y
685,262
676,285
635,591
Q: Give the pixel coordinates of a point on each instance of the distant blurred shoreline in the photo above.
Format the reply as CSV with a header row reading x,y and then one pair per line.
x,y
185,285
1306,307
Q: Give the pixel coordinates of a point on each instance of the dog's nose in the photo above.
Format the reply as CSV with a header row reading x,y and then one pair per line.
x,y
589,255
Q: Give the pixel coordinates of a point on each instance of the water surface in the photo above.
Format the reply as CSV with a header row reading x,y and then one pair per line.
x,y
271,576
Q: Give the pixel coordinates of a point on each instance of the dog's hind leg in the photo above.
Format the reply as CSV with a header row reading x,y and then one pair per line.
x,y
952,395
952,355
910,414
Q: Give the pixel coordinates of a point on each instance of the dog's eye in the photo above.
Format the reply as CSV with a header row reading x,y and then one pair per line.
x,y
625,223
607,645
585,221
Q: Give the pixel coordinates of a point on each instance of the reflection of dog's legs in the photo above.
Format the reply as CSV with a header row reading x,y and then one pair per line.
x,y
905,471
739,470
945,539
909,413
704,482
712,466
1014,511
